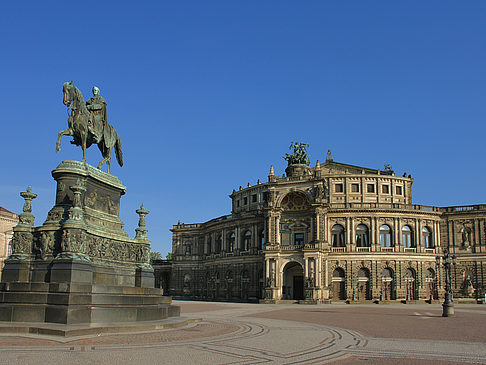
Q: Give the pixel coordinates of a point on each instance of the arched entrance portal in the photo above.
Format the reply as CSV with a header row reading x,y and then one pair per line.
x,y
430,281
293,281
338,284
410,284
387,284
363,284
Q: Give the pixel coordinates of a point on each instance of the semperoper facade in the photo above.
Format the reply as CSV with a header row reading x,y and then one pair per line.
x,y
329,232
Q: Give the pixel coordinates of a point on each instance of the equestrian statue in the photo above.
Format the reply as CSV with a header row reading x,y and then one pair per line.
x,y
87,124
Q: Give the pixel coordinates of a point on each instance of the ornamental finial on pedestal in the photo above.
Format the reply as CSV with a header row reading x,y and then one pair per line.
x,y
26,218
271,175
141,231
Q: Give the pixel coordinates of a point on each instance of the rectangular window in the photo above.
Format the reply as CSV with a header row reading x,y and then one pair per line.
x,y
265,196
338,188
254,198
399,190
355,188
237,203
285,238
298,238
245,200
385,189
371,188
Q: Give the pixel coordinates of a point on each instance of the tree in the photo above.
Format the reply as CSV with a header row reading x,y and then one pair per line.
x,y
155,256
169,256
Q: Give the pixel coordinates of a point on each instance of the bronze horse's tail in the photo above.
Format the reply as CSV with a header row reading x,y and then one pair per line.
x,y
118,150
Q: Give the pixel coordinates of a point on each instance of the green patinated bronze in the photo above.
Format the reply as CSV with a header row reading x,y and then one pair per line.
x,y
299,156
88,125
80,266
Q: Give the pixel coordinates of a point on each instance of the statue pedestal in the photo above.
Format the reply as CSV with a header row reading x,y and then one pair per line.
x,y
80,267
296,170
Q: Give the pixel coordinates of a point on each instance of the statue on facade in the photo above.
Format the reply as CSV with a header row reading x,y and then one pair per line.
x,y
299,156
466,236
467,285
87,124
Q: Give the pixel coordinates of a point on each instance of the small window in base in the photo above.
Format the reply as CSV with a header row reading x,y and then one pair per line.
x,y
371,188
237,203
399,190
253,198
385,189
245,201
355,188
338,188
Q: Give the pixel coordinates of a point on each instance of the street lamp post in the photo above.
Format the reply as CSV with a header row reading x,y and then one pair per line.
x,y
448,305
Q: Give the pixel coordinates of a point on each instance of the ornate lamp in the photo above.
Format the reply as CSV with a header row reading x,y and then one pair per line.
x,y
448,305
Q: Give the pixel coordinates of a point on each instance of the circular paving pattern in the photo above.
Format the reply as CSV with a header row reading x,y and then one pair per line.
x,y
255,334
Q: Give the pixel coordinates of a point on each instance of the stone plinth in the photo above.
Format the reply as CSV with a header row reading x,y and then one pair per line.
x,y
296,170
80,266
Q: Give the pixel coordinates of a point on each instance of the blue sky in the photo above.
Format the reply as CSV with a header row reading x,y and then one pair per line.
x,y
207,95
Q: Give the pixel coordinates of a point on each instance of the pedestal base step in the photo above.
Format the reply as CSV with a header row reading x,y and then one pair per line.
x,y
74,330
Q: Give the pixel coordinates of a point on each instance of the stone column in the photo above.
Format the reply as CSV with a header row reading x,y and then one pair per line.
x,y
450,235
277,229
312,234
396,238
269,230
436,236
348,239
376,234
326,230
419,233
318,226
224,242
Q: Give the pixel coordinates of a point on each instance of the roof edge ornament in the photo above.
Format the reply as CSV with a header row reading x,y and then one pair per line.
x,y
329,156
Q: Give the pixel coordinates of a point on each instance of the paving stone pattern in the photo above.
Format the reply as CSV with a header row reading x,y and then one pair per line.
x,y
236,333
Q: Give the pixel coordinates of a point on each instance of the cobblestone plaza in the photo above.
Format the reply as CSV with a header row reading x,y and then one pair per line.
x,y
239,333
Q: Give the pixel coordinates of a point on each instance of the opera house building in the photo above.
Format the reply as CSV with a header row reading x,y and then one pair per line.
x,y
332,232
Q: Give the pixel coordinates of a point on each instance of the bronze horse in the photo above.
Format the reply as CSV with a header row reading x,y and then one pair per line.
x,y
79,127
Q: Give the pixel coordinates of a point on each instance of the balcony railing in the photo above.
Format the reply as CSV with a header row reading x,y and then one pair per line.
x,y
338,249
400,206
363,249
464,208
291,247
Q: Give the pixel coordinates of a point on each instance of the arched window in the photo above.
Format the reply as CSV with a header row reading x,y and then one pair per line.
x,y
231,242
261,239
385,236
246,241
337,233
427,238
362,236
294,201
207,246
407,237
338,273
218,243
187,248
